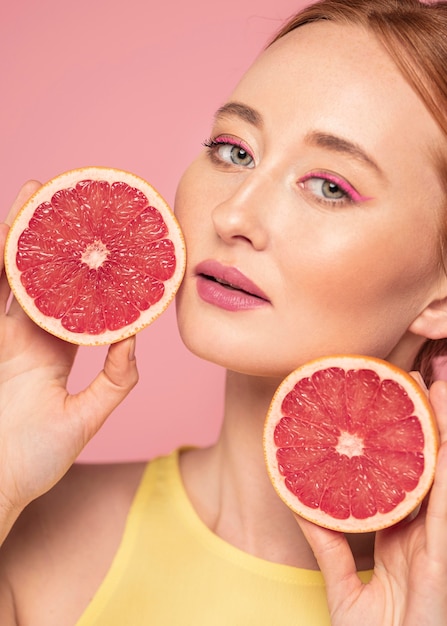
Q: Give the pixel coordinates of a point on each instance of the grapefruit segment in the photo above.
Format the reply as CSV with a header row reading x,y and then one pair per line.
x,y
350,443
95,255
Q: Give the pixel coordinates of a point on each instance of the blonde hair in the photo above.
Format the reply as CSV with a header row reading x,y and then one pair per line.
x,y
415,35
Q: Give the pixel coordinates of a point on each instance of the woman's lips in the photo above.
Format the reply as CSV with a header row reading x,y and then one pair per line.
x,y
227,288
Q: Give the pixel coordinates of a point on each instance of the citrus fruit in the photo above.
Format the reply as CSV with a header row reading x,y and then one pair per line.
x,y
350,443
95,255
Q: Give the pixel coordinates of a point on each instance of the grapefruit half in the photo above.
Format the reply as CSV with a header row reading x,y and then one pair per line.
x,y
95,255
350,443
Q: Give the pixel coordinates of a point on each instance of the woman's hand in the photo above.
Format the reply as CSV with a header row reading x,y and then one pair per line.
x,y
409,583
42,427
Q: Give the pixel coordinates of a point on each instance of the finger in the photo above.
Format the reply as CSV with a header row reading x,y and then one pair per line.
x,y
334,557
4,286
436,517
110,387
27,190
25,193
438,399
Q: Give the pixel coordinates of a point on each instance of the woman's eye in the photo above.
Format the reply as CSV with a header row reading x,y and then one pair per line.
x,y
229,151
325,188
329,188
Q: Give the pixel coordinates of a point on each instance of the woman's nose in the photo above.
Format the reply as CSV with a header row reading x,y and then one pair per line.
x,y
243,215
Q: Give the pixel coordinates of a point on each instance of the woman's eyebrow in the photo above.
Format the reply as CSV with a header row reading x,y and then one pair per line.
x,y
243,111
316,138
338,144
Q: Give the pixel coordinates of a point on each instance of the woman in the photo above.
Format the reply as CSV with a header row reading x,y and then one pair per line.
x,y
315,224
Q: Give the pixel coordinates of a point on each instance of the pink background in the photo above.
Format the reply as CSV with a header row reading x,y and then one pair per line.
x,y
131,85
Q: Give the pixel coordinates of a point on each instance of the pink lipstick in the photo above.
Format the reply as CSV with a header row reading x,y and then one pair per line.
x,y
226,287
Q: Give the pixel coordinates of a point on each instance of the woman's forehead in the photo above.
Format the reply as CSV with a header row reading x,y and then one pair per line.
x,y
338,75
336,51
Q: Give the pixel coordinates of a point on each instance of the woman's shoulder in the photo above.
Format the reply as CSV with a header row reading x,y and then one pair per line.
x,y
64,542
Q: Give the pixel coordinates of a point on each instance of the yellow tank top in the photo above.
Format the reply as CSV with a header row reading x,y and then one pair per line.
x,y
170,570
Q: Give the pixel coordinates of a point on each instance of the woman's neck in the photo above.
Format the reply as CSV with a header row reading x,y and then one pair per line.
x,y
229,486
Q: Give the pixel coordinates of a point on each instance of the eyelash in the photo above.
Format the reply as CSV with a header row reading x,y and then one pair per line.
x,y
214,145
350,195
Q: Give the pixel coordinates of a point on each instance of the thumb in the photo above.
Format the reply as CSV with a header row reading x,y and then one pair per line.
x,y
25,193
335,559
108,389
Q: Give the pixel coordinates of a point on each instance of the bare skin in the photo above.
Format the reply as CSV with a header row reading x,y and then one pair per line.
x,y
229,212
39,441
79,522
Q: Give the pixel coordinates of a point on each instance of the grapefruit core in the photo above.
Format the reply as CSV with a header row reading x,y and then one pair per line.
x,y
350,443
95,255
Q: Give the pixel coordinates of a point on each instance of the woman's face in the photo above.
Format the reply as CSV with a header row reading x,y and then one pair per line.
x,y
318,200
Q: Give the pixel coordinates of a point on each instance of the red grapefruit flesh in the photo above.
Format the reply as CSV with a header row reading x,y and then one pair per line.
x,y
350,443
95,255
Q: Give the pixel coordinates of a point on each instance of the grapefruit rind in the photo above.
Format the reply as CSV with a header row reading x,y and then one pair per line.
x,y
422,409
45,193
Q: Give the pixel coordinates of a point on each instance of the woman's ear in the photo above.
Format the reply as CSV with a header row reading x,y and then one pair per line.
x,y
431,323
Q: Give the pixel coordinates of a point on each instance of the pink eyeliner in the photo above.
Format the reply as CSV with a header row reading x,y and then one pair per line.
x,y
226,139
340,182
